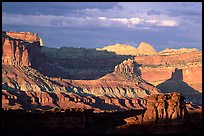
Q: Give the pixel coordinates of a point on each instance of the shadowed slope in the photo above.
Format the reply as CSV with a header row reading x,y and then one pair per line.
x,y
176,84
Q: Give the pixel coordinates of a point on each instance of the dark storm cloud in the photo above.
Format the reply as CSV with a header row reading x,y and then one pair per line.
x,y
183,12
53,8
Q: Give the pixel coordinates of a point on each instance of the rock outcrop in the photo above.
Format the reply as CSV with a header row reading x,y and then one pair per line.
x,y
17,47
146,49
23,36
162,108
122,49
165,107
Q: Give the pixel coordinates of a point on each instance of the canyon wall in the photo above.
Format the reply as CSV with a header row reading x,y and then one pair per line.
x,y
174,71
123,88
18,48
158,68
23,87
28,89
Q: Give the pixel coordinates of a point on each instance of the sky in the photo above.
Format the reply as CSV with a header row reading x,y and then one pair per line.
x,y
98,24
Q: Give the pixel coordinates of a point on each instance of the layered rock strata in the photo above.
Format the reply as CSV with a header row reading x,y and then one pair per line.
x,y
18,48
176,71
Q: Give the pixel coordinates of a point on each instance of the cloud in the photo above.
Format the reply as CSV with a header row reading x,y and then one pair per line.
x,y
63,21
131,22
54,8
170,23
153,22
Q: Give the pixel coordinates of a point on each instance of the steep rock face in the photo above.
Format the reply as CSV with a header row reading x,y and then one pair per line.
x,y
172,72
14,53
122,49
16,48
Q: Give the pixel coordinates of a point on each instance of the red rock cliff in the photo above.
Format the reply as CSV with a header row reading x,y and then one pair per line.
x,y
16,47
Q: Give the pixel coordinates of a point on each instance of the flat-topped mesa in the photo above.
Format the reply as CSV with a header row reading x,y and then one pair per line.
x,y
24,36
18,47
168,51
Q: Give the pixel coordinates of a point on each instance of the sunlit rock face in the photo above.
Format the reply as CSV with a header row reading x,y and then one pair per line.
x,y
24,36
16,49
122,49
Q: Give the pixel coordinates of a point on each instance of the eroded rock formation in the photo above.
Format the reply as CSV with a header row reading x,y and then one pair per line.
x,y
162,108
16,49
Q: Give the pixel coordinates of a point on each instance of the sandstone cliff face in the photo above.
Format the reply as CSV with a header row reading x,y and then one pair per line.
x,y
24,36
174,72
14,53
17,47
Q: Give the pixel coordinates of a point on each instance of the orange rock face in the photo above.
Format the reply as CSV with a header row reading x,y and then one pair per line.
x,y
179,71
24,36
16,47
160,67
